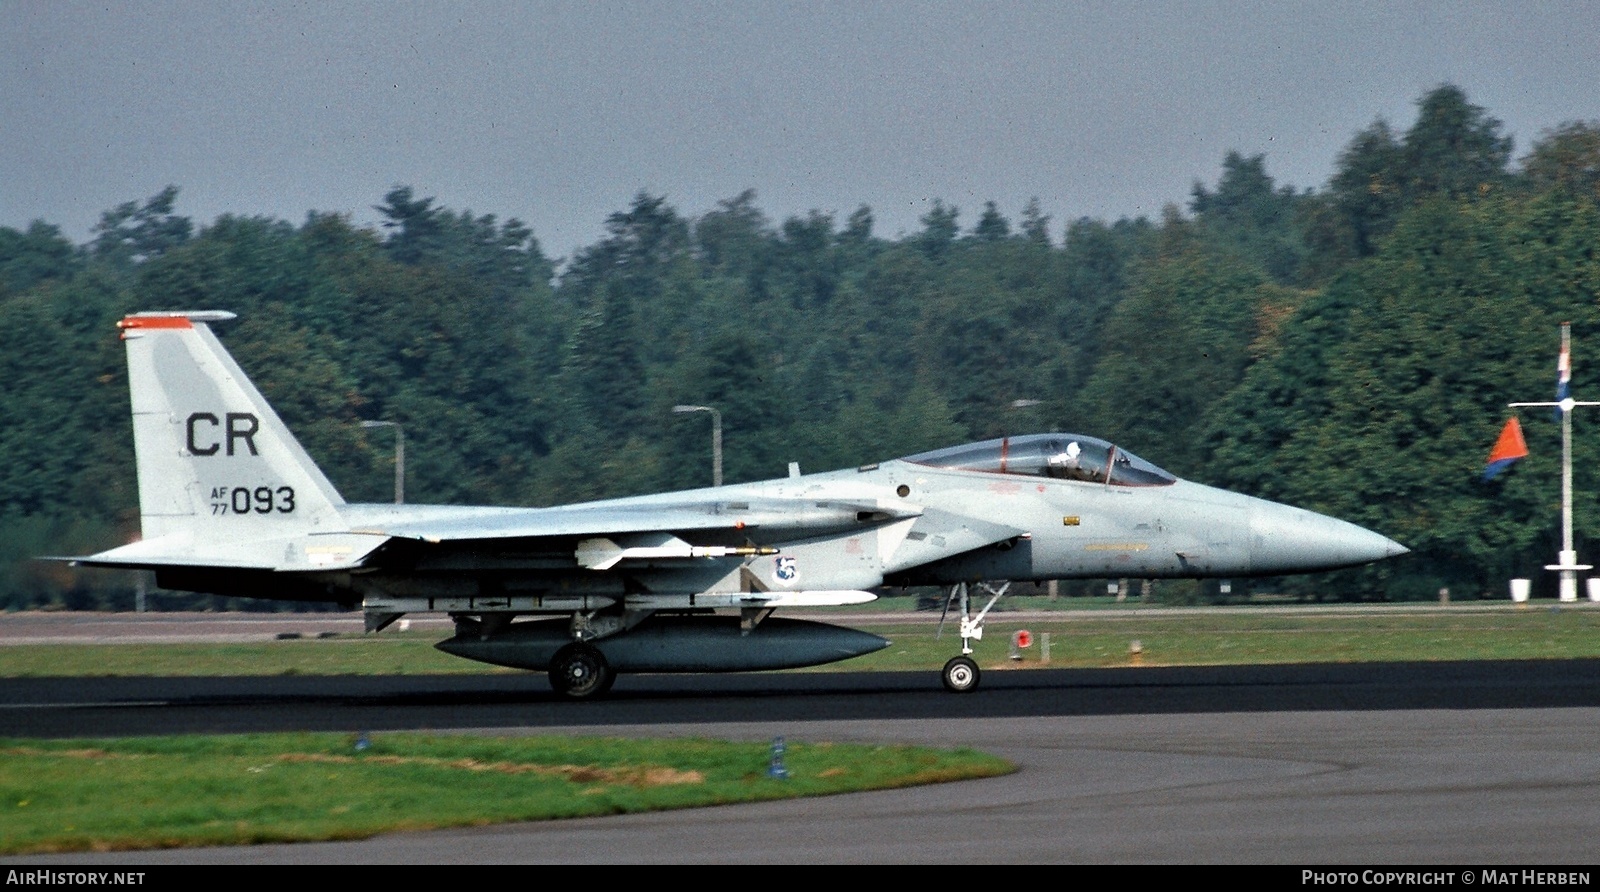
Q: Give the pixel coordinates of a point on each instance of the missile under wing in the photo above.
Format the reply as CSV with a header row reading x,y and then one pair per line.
x,y
676,582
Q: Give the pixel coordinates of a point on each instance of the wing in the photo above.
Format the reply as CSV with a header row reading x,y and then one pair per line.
x,y
602,535
764,520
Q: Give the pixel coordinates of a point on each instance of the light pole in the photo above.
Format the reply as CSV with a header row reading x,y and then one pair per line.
x,y
399,456
716,438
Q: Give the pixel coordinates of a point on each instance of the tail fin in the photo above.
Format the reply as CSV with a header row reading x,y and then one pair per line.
x,y
216,464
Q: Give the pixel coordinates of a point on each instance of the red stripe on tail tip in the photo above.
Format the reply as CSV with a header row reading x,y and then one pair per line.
x,y
154,322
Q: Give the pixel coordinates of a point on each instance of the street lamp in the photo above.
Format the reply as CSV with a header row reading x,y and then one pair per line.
x,y
716,438
399,456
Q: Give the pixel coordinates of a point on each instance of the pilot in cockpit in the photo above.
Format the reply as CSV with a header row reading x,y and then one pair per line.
x,y
1065,464
1072,464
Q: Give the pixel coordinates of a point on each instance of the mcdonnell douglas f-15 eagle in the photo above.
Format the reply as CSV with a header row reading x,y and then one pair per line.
x,y
230,504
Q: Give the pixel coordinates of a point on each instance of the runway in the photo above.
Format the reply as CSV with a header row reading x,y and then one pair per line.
x,y
1453,764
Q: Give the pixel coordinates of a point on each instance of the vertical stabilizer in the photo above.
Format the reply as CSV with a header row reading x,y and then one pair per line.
x,y
216,464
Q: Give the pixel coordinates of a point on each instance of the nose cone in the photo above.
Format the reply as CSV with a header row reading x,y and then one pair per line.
x,y
1285,539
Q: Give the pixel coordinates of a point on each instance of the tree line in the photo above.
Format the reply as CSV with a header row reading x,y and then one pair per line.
x,y
1349,349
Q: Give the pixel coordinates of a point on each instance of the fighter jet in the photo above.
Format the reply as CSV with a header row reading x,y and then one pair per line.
x,y
231,504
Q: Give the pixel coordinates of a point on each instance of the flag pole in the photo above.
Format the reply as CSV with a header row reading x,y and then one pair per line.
x,y
1567,561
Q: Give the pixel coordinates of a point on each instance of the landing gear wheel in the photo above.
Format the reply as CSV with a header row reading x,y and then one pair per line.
x,y
578,671
960,675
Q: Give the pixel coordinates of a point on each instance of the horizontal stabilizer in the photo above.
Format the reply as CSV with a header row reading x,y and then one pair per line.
x,y
329,551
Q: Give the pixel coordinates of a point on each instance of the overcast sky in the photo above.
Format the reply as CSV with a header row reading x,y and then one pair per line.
x,y
559,113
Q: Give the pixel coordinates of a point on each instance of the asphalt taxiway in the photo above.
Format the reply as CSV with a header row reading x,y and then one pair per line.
x,y
1462,764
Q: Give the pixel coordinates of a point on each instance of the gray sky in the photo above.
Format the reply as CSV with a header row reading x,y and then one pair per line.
x,y
559,113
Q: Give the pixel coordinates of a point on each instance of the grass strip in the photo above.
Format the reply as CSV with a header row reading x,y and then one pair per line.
x,y
163,792
1233,639
1078,640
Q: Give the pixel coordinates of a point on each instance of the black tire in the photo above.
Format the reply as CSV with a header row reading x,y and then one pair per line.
x,y
609,679
960,675
579,671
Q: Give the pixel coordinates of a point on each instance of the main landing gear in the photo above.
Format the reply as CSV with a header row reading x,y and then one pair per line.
x,y
579,671
961,673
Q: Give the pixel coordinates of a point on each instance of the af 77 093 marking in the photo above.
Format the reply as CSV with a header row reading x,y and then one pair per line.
x,y
244,499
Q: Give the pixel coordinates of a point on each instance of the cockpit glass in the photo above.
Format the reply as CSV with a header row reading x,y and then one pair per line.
x,y
1062,456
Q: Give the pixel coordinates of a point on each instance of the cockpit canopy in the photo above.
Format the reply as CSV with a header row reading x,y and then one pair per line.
x,y
1063,456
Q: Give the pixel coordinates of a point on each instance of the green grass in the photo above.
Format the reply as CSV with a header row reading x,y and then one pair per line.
x,y
1077,639
1215,639
137,793
384,654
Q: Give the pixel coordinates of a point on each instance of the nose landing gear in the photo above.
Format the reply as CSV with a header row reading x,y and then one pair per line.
x,y
961,673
